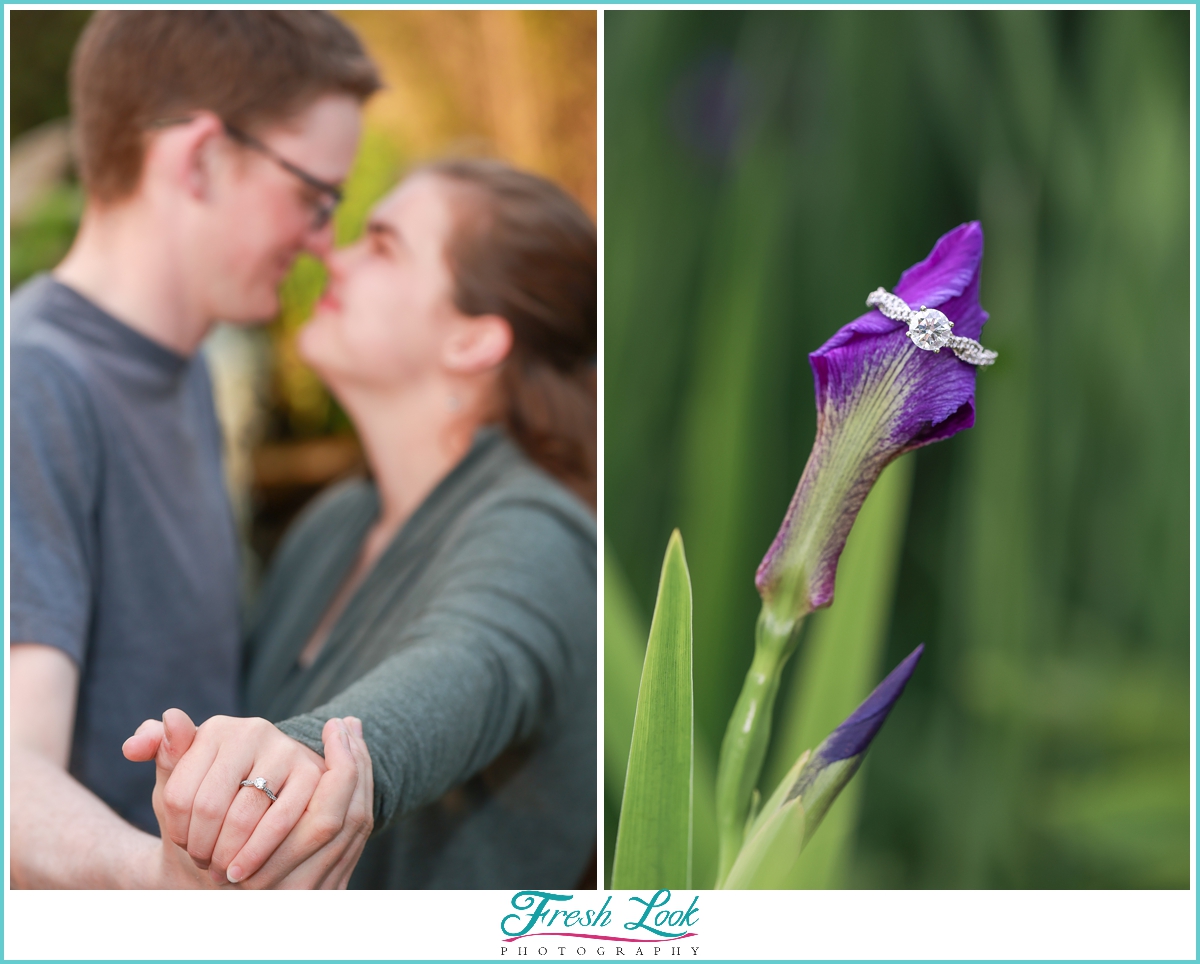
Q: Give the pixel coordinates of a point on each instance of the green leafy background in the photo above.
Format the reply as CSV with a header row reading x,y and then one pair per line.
x,y
763,172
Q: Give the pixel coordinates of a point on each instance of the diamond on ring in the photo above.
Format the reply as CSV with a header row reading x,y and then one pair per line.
x,y
260,783
929,329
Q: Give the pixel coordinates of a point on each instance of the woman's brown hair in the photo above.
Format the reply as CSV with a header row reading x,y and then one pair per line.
x,y
528,254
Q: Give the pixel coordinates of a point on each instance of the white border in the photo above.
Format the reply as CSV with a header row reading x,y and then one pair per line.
x,y
448,925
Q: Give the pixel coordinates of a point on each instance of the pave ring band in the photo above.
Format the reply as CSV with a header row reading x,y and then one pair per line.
x,y
259,783
929,329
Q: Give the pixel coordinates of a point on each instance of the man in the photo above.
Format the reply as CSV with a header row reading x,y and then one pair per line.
x,y
211,146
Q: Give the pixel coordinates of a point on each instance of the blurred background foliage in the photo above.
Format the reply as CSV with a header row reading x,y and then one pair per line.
x,y
518,85
763,172
40,45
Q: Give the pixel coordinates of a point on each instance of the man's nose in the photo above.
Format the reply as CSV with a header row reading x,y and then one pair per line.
x,y
319,241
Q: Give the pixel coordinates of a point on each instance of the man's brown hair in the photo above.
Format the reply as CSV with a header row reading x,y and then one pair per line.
x,y
252,68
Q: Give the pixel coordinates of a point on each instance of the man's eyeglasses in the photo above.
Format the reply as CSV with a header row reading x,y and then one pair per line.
x,y
329,195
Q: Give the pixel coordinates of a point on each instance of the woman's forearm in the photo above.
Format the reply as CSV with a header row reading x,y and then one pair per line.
x,y
504,647
433,716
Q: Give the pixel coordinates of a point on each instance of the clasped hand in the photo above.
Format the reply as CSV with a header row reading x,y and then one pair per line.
x,y
310,837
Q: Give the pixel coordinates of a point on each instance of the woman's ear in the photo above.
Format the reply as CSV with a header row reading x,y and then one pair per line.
x,y
478,344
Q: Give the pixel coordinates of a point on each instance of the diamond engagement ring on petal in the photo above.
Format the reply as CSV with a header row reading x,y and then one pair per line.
x,y
929,329
259,783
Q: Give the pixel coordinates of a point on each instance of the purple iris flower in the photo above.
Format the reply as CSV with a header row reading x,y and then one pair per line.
x,y
778,834
829,768
878,396
850,740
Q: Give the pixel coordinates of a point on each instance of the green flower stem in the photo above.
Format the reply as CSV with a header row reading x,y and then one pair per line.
x,y
745,745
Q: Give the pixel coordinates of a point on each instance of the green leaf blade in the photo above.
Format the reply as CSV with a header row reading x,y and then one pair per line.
x,y
654,837
771,851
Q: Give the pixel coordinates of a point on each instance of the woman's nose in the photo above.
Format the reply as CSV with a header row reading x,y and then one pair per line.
x,y
340,261
336,261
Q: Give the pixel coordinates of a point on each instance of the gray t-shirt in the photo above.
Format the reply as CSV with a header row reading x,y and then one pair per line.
x,y
123,548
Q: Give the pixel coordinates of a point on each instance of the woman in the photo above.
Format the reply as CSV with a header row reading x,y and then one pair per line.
x,y
448,602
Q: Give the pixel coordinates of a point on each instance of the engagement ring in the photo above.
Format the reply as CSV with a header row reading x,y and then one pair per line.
x,y
260,784
929,329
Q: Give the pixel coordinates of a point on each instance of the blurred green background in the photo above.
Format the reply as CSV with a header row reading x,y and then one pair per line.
x,y
763,172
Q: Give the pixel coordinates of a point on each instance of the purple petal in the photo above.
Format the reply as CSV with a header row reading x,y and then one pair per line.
x,y
941,384
951,267
848,742
859,729
872,383
933,386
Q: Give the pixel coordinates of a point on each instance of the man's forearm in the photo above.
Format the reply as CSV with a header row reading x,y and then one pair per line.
x,y
63,835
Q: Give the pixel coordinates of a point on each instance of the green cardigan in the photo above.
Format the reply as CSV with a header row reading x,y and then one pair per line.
x,y
469,653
